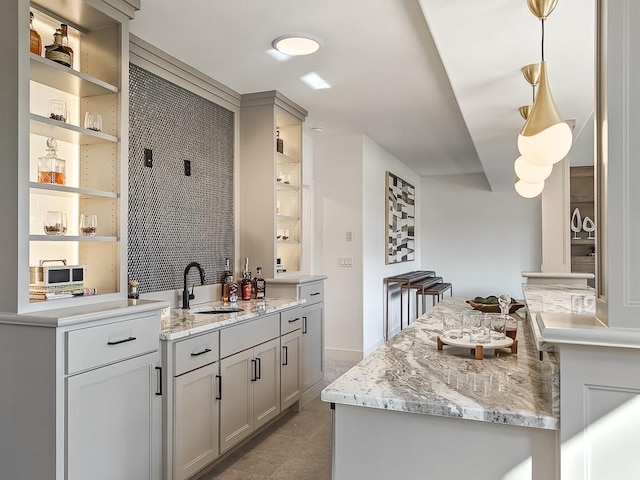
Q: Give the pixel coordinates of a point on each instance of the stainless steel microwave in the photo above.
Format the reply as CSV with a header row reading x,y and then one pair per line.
x,y
47,276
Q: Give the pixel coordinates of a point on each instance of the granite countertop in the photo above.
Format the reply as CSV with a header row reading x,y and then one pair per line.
x,y
556,298
179,323
409,374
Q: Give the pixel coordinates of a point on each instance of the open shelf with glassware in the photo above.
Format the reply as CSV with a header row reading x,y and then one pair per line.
x,y
81,180
271,230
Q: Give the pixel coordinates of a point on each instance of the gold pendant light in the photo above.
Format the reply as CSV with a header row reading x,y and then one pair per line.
x,y
525,110
531,73
530,173
545,139
542,8
528,190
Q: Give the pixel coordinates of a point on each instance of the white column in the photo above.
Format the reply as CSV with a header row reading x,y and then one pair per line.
x,y
556,235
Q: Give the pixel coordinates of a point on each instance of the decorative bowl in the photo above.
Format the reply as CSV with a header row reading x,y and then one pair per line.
x,y
494,307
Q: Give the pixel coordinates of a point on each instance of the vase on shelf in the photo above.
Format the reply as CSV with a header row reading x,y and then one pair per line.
x,y
576,223
589,227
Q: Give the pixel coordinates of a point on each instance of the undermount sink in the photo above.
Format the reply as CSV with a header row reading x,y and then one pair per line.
x,y
221,310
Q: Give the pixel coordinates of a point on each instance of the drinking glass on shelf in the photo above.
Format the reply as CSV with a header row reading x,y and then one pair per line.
x,y
58,110
279,234
88,224
53,223
285,234
64,224
93,121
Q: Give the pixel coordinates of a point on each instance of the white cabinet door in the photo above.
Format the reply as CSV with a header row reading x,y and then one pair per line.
x,y
236,404
266,388
196,414
290,368
113,422
312,358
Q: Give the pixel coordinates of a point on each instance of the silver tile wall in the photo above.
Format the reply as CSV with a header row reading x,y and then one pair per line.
x,y
175,219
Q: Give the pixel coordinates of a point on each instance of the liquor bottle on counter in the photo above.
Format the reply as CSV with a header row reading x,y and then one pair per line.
x,y
279,143
36,40
259,285
227,278
246,285
57,52
233,290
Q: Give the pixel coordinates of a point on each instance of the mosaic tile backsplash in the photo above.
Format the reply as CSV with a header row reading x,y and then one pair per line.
x,y
176,219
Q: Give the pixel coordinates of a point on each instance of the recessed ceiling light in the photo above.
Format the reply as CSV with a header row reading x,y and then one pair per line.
x,y
315,81
296,44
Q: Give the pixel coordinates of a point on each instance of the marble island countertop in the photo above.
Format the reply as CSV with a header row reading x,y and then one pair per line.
x,y
409,374
557,299
178,323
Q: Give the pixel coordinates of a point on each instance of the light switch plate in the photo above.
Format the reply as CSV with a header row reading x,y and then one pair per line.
x,y
345,261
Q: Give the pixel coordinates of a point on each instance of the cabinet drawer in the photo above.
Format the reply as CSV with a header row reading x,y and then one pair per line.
x,y
246,335
312,292
290,320
94,346
195,352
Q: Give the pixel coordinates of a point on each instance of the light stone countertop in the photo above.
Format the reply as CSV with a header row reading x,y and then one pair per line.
x,y
556,298
409,374
179,323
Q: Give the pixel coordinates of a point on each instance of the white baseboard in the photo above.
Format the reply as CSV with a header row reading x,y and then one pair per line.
x,y
374,347
309,395
341,355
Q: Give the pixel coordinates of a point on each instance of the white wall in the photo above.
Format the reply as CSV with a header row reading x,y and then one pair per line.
x,y
349,185
338,209
377,162
476,239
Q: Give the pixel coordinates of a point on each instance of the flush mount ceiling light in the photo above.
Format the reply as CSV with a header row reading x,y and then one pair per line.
x,y
528,190
545,138
296,44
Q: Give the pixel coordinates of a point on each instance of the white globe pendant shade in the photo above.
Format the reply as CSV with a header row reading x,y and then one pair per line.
x,y
545,138
528,190
530,173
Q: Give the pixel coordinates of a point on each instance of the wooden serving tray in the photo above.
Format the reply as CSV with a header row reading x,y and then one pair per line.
x,y
494,307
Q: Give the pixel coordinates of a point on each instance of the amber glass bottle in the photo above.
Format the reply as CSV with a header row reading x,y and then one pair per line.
x,y
36,40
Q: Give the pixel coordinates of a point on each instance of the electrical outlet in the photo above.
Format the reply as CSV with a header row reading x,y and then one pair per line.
x,y
148,157
187,168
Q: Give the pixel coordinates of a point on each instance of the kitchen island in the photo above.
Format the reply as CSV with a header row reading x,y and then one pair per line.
x,y
411,411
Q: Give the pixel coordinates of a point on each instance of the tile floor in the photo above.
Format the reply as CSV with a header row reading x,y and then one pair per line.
x,y
297,446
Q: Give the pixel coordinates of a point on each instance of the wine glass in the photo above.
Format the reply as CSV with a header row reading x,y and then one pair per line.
x,y
88,225
93,121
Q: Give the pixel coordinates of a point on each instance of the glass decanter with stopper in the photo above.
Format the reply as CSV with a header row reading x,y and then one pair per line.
x,y
51,169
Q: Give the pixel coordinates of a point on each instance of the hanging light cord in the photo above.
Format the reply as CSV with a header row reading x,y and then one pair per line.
x,y
542,46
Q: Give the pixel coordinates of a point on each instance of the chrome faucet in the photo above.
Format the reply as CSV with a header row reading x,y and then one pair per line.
x,y
186,296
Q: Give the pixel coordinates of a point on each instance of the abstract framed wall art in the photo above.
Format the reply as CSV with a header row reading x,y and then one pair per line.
x,y
400,219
